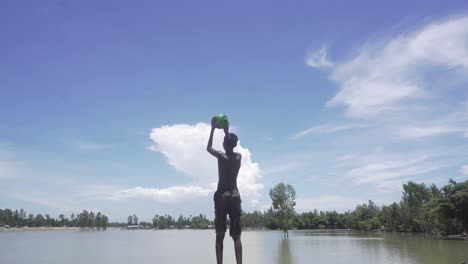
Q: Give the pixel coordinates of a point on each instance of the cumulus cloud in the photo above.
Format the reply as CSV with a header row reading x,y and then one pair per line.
x,y
184,147
382,77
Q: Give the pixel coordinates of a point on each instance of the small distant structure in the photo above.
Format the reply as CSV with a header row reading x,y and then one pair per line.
x,y
134,227
6,226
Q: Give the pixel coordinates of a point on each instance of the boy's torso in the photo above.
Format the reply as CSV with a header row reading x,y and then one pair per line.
x,y
228,169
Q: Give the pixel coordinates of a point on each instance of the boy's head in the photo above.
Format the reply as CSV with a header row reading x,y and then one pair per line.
x,y
230,141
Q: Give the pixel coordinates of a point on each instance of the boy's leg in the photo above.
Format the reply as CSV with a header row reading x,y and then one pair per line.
x,y
219,248
220,227
238,250
235,228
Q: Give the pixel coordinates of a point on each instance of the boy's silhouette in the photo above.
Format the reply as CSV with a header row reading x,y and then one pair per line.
x,y
227,198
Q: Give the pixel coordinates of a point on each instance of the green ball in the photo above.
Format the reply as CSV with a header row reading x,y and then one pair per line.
x,y
221,121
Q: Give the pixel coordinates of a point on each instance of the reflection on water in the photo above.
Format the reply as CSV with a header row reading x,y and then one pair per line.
x,y
284,252
196,246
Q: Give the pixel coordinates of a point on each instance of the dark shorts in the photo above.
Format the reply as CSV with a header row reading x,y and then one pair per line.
x,y
227,205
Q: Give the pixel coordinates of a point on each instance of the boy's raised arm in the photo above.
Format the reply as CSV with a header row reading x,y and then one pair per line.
x,y
209,147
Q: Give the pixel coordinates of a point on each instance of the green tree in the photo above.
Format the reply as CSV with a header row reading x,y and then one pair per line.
x,y
283,201
39,221
104,222
30,220
92,220
62,219
156,221
99,221
391,217
414,218
453,207
73,220
84,220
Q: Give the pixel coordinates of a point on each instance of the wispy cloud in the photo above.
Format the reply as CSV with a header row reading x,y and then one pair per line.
x,y
172,194
384,77
327,128
282,167
318,59
456,122
9,168
419,132
380,169
327,203
91,146
464,170
401,85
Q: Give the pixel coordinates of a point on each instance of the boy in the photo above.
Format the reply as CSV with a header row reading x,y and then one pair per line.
x,y
227,198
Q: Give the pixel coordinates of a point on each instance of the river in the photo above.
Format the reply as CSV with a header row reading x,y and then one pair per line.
x,y
197,246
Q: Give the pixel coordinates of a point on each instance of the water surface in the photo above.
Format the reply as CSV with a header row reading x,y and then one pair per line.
x,y
197,246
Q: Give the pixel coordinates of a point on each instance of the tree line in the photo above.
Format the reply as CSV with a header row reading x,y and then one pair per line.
x,y
422,209
168,222
195,222
84,220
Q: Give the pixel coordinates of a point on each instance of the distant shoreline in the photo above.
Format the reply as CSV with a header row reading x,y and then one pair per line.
x,y
19,229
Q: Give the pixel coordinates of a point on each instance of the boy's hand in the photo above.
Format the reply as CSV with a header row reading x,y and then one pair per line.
x,y
213,122
226,129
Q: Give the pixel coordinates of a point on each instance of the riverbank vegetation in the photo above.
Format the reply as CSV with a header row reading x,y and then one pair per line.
x,y
85,220
169,222
422,209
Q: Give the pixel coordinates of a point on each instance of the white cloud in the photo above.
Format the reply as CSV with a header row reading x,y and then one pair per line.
x,y
327,128
8,167
282,167
56,199
90,146
166,195
184,147
383,77
381,169
464,169
318,59
345,157
456,122
327,203
6,170
418,132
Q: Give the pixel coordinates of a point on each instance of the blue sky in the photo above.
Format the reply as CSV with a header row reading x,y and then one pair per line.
x,y
104,106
